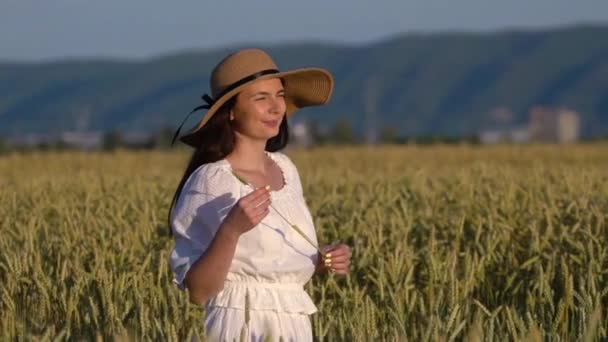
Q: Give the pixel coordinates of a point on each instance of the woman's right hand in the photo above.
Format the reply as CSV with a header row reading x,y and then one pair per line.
x,y
248,211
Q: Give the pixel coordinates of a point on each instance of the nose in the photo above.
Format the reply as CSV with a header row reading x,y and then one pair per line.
x,y
278,105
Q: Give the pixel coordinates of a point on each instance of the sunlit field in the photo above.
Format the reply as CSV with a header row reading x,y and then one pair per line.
x,y
449,243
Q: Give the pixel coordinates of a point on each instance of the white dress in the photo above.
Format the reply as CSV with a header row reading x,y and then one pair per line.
x,y
272,262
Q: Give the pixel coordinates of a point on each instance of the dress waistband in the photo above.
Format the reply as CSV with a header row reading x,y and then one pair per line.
x,y
276,296
264,284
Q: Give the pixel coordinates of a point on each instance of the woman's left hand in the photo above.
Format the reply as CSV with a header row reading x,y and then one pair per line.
x,y
336,258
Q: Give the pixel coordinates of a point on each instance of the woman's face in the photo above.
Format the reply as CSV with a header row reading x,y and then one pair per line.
x,y
259,109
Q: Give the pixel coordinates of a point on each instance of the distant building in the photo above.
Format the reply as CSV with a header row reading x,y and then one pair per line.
x,y
517,135
544,124
568,126
500,128
300,133
491,136
550,125
83,140
520,135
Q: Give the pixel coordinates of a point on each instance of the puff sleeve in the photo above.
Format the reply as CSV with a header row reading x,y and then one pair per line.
x,y
205,200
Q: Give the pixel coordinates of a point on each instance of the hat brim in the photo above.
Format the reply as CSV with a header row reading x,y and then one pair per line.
x,y
304,87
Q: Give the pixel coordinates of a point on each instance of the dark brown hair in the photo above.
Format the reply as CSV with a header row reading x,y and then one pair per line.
x,y
217,141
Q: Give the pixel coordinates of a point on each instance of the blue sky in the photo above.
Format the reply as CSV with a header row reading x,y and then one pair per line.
x,y
53,29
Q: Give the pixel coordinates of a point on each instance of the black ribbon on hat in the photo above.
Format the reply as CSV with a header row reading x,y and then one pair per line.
x,y
210,102
205,98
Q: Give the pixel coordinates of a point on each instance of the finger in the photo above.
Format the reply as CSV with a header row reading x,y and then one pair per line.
x,y
336,246
340,267
259,211
256,194
255,197
264,203
336,259
330,262
340,270
342,264
260,215
338,252
329,248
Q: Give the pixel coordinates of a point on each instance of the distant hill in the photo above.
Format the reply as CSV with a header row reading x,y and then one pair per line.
x,y
443,83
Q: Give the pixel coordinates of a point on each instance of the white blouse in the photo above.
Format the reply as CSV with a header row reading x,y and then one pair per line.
x,y
272,261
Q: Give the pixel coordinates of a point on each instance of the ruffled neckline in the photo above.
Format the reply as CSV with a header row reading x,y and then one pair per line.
x,y
224,162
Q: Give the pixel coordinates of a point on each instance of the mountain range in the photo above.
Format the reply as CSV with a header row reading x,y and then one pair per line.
x,y
450,83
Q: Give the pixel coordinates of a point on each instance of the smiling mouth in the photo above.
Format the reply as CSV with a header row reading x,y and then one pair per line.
x,y
271,123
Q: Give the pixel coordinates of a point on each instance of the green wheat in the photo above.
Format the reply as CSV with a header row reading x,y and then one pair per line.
x,y
454,243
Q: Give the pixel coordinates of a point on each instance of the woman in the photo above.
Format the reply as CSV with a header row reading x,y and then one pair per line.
x,y
235,249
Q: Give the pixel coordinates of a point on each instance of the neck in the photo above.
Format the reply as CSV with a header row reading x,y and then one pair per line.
x,y
249,155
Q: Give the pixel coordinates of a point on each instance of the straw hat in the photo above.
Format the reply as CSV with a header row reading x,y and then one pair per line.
x,y
303,87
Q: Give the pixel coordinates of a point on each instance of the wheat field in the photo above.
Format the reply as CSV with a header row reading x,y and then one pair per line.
x,y
449,243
